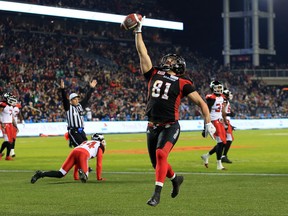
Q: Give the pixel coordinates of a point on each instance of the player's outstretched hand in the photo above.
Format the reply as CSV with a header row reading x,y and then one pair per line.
x,y
210,129
139,25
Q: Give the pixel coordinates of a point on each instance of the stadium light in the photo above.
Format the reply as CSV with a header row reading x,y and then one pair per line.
x,y
81,14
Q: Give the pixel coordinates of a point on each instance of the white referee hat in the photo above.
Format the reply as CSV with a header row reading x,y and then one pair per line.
x,y
73,95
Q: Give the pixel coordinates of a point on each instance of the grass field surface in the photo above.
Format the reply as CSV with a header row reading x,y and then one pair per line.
x,y
256,183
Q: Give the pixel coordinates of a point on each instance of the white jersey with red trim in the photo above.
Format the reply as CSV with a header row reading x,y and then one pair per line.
x,y
16,112
7,114
228,110
91,146
216,107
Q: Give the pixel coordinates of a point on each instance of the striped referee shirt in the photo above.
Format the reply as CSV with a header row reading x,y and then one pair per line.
x,y
75,114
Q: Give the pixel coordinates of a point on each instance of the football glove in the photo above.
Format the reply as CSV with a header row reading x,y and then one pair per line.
x,y
233,128
139,26
210,129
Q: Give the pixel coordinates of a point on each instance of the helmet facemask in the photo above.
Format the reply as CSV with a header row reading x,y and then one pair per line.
x,y
174,63
10,99
99,137
216,87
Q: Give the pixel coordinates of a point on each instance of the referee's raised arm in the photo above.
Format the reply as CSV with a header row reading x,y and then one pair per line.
x,y
66,103
85,100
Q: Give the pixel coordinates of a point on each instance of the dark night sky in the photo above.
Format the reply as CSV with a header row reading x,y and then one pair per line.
x,y
203,26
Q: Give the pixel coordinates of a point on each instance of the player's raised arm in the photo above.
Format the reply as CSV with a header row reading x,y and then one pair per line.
x,y
145,61
134,22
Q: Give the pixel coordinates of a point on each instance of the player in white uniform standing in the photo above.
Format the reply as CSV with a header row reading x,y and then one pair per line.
x,y
216,103
8,124
78,158
228,127
16,113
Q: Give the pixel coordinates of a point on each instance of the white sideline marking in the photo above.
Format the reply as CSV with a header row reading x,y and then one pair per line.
x,y
184,173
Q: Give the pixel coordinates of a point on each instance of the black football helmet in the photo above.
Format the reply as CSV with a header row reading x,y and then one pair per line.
x,y
216,87
97,137
173,62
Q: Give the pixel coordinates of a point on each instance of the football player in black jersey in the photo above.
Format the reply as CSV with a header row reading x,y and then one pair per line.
x,y
167,84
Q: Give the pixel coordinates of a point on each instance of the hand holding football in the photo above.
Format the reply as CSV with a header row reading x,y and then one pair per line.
x,y
131,21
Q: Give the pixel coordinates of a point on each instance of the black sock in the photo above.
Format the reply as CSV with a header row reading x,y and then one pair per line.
x,y
8,149
4,145
212,151
219,150
227,147
13,144
175,179
52,173
158,189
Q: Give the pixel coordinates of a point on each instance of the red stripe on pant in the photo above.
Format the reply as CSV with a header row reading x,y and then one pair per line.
x,y
163,169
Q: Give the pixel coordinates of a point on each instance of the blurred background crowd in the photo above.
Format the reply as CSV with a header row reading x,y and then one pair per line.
x,y
36,52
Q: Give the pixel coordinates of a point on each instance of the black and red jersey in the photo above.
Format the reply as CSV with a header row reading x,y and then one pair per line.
x,y
165,92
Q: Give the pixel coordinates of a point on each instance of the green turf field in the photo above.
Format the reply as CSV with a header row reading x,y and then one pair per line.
x,y
256,183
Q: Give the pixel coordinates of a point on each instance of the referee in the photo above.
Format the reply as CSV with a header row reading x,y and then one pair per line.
x,y
75,110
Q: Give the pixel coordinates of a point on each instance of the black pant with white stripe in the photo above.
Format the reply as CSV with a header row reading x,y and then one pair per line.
x,y
76,137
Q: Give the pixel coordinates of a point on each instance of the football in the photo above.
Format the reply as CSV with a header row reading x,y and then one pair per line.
x,y
130,21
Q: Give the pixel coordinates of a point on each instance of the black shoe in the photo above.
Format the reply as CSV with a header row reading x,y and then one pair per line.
x,y
176,185
90,169
154,200
36,176
225,160
83,177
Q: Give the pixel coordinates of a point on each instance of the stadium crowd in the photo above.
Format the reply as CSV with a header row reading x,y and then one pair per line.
x,y
36,54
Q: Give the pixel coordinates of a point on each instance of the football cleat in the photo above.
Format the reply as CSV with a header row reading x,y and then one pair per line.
x,y
154,200
176,182
225,159
205,158
8,158
36,176
220,166
83,176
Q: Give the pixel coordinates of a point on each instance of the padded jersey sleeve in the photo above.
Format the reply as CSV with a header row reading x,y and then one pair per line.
x,y
188,86
150,73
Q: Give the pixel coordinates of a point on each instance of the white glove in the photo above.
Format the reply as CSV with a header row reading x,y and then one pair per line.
x,y
139,26
210,129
